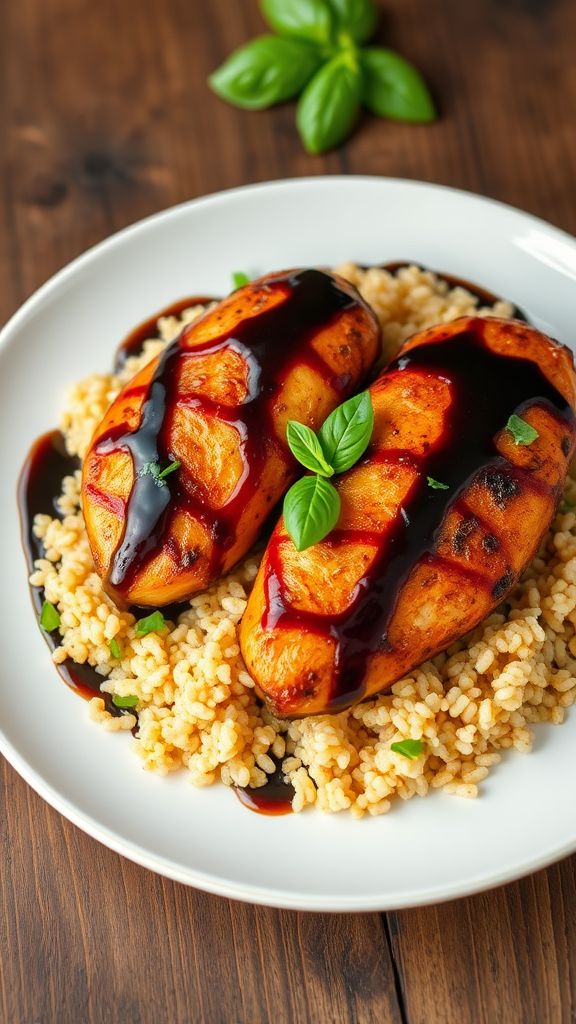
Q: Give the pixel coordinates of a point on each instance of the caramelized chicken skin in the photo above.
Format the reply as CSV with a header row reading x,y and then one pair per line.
x,y
214,407
438,520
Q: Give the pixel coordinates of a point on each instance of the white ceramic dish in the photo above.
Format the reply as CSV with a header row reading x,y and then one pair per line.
x,y
423,851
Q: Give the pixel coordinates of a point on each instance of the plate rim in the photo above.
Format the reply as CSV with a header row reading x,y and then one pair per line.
x,y
215,884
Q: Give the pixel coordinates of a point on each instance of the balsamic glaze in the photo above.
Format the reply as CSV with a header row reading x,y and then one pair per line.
x,y
271,343
273,798
48,463
133,343
486,388
39,487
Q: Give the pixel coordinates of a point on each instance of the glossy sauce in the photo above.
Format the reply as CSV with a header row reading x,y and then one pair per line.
x,y
272,343
133,342
486,389
39,487
48,462
274,798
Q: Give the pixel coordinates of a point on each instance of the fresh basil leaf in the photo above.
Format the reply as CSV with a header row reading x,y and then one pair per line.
x,y
169,469
115,649
49,617
408,748
124,702
239,279
152,623
357,17
304,19
394,88
311,510
306,447
521,431
346,434
435,485
266,71
329,104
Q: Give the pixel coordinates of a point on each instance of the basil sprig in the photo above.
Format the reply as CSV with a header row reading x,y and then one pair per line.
x,y
330,104
303,19
312,505
393,88
345,435
266,71
311,510
306,447
356,17
318,52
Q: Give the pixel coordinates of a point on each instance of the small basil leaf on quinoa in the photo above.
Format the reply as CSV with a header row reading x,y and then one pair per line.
x,y
115,649
150,624
49,617
521,431
130,701
239,279
435,485
408,748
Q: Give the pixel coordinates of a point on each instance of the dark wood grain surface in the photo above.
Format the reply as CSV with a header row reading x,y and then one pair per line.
x,y
104,118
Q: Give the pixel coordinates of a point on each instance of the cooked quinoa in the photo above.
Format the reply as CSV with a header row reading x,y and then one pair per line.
x,y
197,707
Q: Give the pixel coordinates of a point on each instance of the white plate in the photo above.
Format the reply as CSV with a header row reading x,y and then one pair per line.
x,y
423,851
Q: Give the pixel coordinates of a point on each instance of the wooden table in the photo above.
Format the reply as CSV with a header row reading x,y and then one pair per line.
x,y
105,117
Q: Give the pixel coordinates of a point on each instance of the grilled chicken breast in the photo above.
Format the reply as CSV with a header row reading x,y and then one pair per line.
x,y
191,456
438,519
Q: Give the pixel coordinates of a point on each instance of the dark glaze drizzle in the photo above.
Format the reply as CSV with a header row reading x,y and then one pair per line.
x,y
39,486
271,343
133,342
38,489
486,389
273,798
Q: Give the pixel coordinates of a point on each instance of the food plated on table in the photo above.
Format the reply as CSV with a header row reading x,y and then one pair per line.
x,y
390,633
178,818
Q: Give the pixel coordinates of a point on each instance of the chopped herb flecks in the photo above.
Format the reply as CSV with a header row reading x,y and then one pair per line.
x,y
152,623
239,279
435,485
49,617
408,748
170,469
124,702
115,649
153,469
